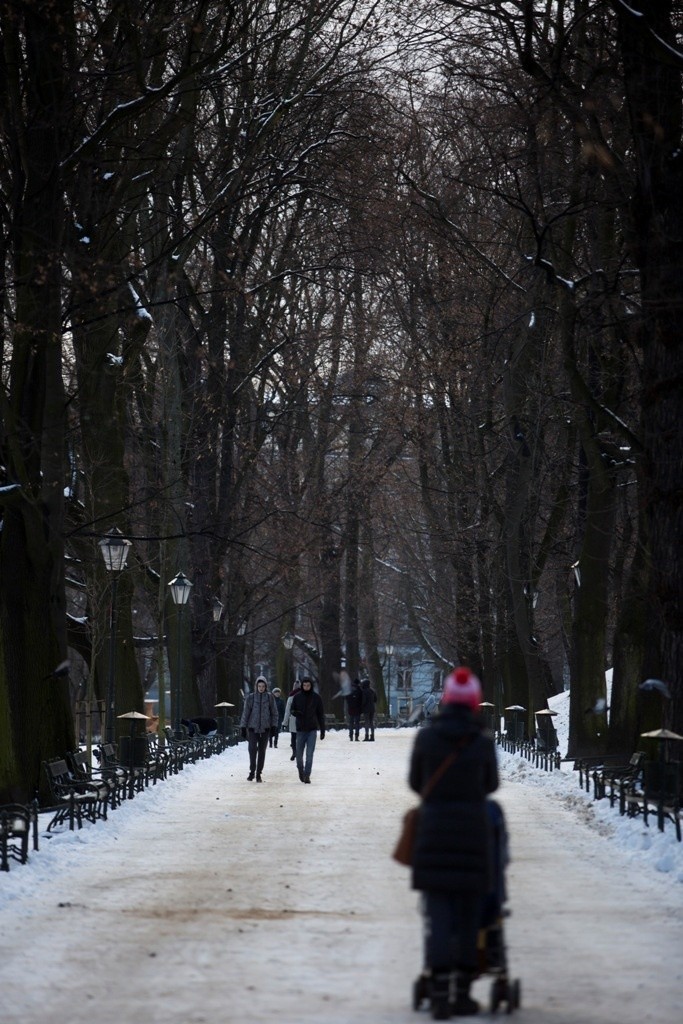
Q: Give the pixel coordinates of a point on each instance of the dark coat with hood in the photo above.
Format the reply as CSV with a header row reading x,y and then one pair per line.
x,y
307,708
453,847
354,700
369,698
260,712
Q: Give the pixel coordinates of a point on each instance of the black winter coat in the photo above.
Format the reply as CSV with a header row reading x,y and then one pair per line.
x,y
369,699
307,708
453,847
354,702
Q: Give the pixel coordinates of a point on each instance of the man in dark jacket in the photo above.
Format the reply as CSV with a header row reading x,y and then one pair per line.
x,y
453,854
354,706
369,702
307,708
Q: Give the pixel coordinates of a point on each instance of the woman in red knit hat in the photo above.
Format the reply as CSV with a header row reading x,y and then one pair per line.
x,y
452,863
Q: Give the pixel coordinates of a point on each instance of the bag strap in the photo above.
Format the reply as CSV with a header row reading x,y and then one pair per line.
x,y
440,771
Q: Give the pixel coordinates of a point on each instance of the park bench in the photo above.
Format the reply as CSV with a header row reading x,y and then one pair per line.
x,y
82,771
182,747
657,793
17,823
113,768
73,800
159,759
587,764
614,777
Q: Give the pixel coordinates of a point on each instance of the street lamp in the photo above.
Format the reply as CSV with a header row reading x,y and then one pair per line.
x,y
180,588
216,610
114,548
288,644
390,650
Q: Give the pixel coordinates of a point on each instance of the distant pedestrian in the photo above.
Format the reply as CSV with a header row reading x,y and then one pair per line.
x,y
259,719
288,719
277,694
369,703
452,863
354,707
307,708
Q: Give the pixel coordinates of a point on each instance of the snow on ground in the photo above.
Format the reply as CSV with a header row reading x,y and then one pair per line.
x,y
208,898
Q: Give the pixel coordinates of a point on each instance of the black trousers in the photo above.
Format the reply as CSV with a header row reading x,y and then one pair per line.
x,y
451,929
258,744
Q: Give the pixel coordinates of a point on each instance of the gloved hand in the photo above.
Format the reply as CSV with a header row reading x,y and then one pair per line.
x,y
322,734
243,733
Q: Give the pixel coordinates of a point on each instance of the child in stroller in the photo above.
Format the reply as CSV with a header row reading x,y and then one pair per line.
x,y
491,944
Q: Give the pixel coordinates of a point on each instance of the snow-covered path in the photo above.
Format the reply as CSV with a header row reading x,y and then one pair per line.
x,y
210,899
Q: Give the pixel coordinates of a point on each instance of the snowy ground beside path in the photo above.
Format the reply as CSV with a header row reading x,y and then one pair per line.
x,y
211,899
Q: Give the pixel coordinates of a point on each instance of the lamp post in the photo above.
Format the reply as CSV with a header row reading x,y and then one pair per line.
x,y
288,644
180,588
114,548
390,650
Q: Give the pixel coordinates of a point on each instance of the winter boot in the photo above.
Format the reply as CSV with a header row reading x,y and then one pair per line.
x,y
351,735
372,736
439,995
357,734
464,1005
250,777
366,737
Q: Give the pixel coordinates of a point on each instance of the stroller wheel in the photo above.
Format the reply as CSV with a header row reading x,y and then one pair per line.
x,y
420,991
514,995
497,994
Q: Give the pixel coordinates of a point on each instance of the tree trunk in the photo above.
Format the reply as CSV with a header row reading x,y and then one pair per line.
x,y
655,95
37,724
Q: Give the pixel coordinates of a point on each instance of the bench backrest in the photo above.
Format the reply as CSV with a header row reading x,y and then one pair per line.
x,y
109,753
14,818
79,762
58,771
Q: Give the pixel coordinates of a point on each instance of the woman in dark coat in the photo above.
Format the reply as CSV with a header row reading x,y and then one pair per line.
x,y
452,862
354,706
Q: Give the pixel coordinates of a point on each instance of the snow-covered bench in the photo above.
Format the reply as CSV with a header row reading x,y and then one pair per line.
x,y
659,794
610,780
73,800
17,822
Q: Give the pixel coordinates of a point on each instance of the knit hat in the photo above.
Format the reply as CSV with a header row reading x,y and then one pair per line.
x,y
276,689
462,687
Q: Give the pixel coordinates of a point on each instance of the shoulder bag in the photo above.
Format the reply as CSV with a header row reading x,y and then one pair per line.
x,y
403,851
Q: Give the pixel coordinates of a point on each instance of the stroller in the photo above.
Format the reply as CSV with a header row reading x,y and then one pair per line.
x,y
491,943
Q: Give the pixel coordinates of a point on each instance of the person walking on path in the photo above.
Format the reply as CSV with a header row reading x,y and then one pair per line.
x,y
307,708
288,719
354,707
280,704
369,702
259,720
452,861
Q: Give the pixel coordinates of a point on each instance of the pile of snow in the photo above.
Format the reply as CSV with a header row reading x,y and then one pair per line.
x,y
644,844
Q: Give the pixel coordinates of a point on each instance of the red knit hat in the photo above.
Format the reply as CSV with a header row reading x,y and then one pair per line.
x,y
462,687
